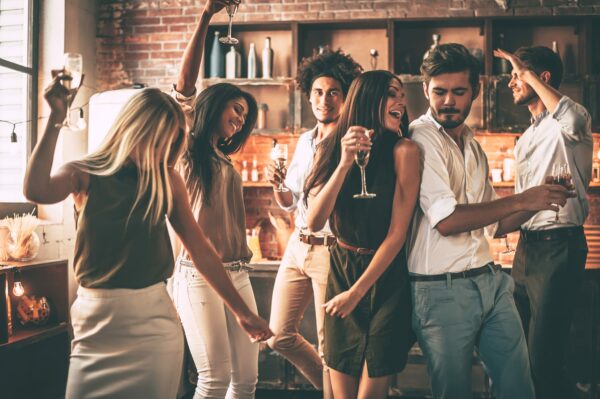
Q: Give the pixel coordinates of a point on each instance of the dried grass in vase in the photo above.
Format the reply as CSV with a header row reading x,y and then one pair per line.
x,y
24,243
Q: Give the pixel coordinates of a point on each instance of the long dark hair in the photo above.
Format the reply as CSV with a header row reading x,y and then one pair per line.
x,y
201,158
364,106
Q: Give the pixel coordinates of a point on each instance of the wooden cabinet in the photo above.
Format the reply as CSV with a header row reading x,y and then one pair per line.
x,y
34,359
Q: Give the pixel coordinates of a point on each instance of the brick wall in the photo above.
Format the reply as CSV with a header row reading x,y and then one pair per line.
x,y
142,40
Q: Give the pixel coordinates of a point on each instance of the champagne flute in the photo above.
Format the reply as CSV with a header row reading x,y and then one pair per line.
x,y
231,8
362,159
279,154
73,67
509,250
561,175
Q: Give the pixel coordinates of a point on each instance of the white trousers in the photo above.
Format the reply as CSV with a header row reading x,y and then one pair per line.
x,y
226,359
127,344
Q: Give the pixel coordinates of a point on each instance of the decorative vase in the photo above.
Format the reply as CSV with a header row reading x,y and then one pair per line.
x,y
23,249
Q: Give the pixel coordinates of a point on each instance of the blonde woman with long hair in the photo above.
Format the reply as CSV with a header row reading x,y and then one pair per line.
x,y
127,340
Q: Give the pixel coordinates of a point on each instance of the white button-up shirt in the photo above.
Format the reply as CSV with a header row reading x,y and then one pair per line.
x,y
564,136
297,173
449,178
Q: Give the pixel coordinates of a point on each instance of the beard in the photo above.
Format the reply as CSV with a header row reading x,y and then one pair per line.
x,y
328,119
439,116
525,100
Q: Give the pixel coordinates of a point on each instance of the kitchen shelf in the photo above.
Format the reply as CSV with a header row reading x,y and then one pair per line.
x,y
281,81
257,184
26,336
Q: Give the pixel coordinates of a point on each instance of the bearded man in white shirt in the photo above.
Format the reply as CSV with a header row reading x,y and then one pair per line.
x,y
462,301
550,260
302,277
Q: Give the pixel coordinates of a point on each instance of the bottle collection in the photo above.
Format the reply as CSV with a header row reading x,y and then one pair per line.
x,y
229,65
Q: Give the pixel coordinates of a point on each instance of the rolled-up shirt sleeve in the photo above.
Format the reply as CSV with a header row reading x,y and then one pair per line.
x,y
436,198
489,194
187,105
294,179
574,120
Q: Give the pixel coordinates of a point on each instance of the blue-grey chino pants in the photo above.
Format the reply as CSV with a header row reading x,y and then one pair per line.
x,y
455,317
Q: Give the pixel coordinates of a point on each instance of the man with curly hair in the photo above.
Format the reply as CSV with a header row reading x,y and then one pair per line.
x,y
325,79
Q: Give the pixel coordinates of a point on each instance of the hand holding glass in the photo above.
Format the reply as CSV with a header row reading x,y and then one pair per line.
x,y
561,175
362,159
279,154
73,67
231,8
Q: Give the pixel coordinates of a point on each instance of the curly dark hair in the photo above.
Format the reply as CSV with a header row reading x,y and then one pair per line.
x,y
333,64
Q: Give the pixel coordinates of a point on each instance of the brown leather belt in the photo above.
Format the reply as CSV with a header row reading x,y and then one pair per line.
x,y
316,240
360,251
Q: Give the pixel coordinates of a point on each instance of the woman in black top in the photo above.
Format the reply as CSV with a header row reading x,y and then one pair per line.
x,y
367,326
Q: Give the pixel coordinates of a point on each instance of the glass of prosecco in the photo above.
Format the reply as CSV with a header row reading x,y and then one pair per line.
x,y
73,68
231,8
362,159
279,154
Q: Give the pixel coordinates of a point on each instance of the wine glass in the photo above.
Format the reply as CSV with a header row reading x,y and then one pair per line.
x,y
362,159
73,67
231,8
509,250
561,175
279,154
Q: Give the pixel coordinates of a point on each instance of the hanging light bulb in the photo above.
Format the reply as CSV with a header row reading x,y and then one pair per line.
x,y
13,135
18,289
81,120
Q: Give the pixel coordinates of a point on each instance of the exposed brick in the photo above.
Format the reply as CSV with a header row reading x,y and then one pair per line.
x,y
151,29
144,46
166,55
178,20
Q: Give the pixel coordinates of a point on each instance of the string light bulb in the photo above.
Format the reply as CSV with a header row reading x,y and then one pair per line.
x,y
81,125
13,135
18,289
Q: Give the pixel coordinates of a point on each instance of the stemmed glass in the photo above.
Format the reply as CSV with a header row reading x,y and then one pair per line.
x,y
231,8
362,159
509,250
561,175
279,154
73,67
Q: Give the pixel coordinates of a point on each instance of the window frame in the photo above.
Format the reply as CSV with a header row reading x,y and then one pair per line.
x,y
31,125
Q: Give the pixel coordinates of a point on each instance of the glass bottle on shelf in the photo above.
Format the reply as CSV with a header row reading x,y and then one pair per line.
x,y
267,60
261,121
244,170
233,64
217,67
252,62
502,65
555,47
436,37
254,171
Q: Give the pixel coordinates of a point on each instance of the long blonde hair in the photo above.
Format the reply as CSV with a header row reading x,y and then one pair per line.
x,y
149,122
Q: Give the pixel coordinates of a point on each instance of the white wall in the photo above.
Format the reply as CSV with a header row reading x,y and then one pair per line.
x,y
65,26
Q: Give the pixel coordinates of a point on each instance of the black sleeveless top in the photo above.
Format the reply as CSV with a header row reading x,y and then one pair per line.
x,y
379,329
